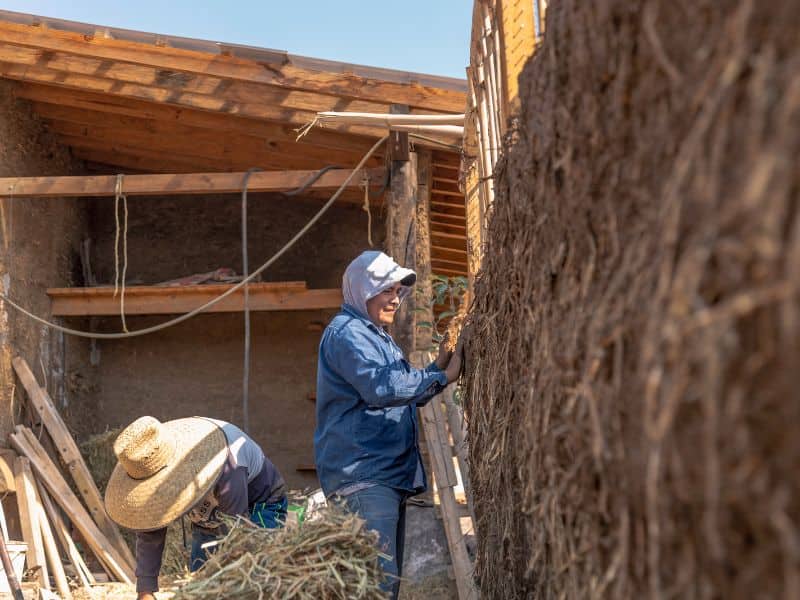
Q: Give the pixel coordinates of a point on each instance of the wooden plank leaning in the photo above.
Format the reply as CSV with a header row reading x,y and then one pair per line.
x,y
51,550
26,443
435,429
439,449
455,419
29,522
83,572
70,454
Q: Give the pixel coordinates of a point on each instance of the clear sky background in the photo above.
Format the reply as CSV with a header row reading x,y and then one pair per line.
x,y
426,36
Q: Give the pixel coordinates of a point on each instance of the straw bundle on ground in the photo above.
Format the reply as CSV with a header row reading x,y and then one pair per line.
x,y
333,556
634,367
99,455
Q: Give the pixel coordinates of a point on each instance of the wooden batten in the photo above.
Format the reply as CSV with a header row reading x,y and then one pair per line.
x,y
153,300
187,183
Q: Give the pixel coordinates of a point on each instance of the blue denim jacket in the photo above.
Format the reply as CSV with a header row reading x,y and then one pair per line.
x,y
367,395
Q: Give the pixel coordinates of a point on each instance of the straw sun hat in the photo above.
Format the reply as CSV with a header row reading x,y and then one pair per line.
x,y
163,470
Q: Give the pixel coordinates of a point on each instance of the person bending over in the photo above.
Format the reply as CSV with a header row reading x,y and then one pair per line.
x,y
194,466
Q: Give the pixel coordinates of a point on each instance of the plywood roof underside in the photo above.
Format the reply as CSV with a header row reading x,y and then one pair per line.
x,y
127,101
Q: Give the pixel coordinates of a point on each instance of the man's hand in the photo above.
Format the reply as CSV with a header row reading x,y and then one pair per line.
x,y
443,359
453,369
145,596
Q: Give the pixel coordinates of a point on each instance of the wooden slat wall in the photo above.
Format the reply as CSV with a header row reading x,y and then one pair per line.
x,y
448,220
504,36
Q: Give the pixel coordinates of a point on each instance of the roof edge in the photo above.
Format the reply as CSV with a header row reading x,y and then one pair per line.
x,y
254,53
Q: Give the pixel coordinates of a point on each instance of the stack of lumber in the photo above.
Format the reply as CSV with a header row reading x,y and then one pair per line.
x,y
50,511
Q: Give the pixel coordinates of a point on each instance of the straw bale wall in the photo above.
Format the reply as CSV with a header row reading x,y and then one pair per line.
x,y
634,364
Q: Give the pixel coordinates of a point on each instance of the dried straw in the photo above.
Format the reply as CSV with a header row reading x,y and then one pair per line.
x,y
634,365
333,556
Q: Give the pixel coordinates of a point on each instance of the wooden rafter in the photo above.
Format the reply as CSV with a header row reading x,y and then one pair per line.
x,y
217,103
71,102
201,143
106,161
65,66
139,159
285,75
190,183
278,141
201,157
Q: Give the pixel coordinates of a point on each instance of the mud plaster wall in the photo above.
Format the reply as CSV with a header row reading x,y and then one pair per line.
x,y
196,368
39,249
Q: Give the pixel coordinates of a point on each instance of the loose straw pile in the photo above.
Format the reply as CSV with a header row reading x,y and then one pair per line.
x,y
333,556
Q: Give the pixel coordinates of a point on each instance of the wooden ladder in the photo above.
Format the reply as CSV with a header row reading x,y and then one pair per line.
x,y
443,427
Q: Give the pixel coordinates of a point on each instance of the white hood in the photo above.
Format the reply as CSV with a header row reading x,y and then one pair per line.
x,y
368,275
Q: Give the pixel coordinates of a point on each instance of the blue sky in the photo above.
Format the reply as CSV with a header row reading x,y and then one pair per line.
x,y
427,36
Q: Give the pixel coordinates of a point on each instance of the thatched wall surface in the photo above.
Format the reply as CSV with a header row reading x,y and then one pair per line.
x,y
633,383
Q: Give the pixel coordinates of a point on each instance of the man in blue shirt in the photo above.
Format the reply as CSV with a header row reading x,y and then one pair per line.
x,y
366,441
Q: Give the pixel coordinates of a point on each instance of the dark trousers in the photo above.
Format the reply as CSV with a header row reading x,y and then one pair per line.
x,y
384,510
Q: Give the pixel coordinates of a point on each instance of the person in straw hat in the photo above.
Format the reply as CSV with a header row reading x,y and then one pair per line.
x,y
366,441
194,466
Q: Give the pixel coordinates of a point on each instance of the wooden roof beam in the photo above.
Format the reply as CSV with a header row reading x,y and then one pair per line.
x,y
188,183
202,159
139,159
96,102
191,100
104,163
284,75
197,83
206,143
121,161
275,140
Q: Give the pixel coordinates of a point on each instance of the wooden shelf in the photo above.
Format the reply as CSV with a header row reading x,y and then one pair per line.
x,y
158,300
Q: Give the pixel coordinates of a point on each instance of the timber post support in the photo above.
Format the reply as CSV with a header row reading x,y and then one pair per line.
x,y
400,230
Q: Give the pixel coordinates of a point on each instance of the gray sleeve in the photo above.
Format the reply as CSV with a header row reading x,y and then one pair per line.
x,y
149,551
232,491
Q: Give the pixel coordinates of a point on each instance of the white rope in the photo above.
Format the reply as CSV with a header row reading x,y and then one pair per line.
x,y
365,181
117,195
212,302
124,265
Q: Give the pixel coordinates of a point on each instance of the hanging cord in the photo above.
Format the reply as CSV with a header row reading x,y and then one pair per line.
x,y
213,301
365,183
245,273
117,285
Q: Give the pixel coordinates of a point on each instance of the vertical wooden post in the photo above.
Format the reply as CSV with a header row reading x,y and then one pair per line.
x,y
400,231
423,294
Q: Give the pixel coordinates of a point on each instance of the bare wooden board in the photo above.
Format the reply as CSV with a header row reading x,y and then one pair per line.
x,y
186,183
153,300
70,454
83,572
26,443
51,550
29,521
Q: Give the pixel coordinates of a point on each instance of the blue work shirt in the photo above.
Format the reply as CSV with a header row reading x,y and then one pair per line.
x,y
367,394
